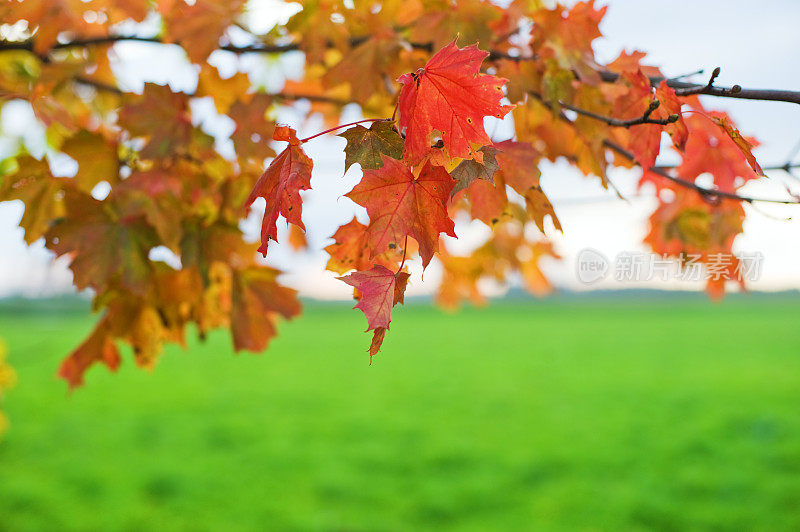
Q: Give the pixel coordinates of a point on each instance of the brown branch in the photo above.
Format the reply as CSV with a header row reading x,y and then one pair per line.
x,y
617,122
724,92
708,86
711,194
281,95
785,167
684,87
105,87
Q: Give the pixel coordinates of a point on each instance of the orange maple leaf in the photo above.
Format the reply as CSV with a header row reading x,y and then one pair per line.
x,y
351,250
400,204
284,178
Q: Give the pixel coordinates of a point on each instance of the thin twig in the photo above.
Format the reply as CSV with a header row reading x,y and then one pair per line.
x,y
709,85
617,122
724,92
712,194
342,126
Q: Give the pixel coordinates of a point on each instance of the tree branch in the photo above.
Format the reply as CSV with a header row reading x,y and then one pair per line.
x,y
617,122
281,95
686,87
724,92
705,192
710,193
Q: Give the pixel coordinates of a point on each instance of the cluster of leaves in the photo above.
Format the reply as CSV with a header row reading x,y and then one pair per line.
x,y
149,177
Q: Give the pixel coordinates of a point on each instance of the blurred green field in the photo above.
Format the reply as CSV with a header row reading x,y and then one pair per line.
x,y
596,414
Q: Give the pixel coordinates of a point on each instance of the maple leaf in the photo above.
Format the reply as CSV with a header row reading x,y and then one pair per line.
x,y
380,289
670,104
518,162
102,247
39,191
162,116
363,67
488,202
284,178
198,27
400,204
741,142
96,157
451,96
252,127
351,250
365,146
158,196
469,170
645,139
225,92
98,347
474,20
257,299
711,149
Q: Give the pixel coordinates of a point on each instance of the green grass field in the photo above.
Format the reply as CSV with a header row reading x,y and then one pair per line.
x,y
594,414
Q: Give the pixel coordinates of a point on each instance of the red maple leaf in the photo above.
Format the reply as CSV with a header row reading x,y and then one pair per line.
x,y
645,139
380,289
451,96
670,104
284,178
712,149
400,204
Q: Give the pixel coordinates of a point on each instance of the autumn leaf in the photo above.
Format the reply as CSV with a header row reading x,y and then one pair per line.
x,y
710,149
41,193
488,201
253,128
351,250
469,170
160,115
380,289
98,347
102,248
645,139
741,142
671,105
365,146
224,91
285,177
372,57
257,301
156,195
97,159
400,204
297,238
198,26
519,168
449,95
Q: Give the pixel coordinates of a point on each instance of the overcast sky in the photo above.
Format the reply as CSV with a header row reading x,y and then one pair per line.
x,y
756,47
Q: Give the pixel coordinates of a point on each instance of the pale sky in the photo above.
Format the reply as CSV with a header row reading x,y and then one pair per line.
x,y
755,47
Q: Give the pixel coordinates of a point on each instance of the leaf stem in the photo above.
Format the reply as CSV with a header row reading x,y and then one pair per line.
x,y
403,262
345,125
